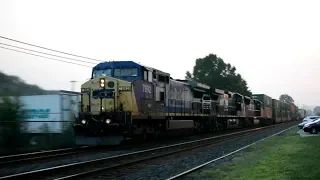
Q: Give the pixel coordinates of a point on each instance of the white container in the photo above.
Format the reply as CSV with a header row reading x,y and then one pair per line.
x,y
58,106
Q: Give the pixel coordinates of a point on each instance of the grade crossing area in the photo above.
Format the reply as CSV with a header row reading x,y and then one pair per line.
x,y
306,134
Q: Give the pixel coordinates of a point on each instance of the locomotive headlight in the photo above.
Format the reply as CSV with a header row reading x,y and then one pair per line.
x,y
108,121
83,121
102,81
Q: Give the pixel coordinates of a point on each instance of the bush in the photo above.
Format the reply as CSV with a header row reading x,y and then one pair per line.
x,y
56,140
11,113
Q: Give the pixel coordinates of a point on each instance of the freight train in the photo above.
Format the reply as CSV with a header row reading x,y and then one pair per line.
x,y
125,100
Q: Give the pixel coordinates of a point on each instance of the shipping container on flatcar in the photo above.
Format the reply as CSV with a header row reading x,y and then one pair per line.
x,y
266,107
293,111
276,110
288,112
284,112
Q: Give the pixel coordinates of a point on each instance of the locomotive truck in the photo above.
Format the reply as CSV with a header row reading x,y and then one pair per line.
x,y
125,100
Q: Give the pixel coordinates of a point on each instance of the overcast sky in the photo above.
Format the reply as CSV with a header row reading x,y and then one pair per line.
x,y
273,44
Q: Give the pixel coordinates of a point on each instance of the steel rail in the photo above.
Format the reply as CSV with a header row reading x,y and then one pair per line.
x,y
53,170
144,159
18,158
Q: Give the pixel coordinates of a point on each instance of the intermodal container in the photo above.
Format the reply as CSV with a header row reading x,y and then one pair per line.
x,y
265,99
293,109
57,108
276,110
288,112
266,104
283,111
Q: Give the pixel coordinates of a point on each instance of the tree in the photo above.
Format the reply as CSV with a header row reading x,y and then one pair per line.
x,y
11,112
316,110
15,86
188,75
214,72
286,98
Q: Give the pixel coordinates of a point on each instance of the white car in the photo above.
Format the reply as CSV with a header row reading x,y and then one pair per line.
x,y
307,120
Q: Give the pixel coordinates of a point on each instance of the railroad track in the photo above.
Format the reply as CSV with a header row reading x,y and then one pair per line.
x,y
41,155
184,173
124,162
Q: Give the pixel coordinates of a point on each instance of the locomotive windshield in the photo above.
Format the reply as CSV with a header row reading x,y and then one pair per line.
x,y
104,72
126,72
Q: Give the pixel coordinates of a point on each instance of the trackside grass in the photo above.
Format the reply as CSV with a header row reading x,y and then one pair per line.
x,y
286,156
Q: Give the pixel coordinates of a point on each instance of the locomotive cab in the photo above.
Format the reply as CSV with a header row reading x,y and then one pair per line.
x,y
116,97
106,104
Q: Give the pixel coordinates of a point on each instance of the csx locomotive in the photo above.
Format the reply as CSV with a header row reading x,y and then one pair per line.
x,y
125,100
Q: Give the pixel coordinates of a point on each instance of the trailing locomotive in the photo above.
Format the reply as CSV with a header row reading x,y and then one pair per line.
x,y
124,99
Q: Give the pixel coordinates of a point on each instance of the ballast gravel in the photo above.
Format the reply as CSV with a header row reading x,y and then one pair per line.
x,y
27,167
166,167
176,164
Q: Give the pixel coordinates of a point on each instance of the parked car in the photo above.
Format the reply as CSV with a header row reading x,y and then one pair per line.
x,y
312,127
307,120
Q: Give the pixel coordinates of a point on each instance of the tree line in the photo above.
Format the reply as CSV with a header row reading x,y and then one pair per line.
x,y
214,72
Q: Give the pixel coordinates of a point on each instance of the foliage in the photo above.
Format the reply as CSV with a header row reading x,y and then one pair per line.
x,y
318,113
214,72
316,110
51,140
11,112
14,86
286,98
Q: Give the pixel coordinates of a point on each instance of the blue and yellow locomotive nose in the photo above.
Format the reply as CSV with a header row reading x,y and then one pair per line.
x,y
99,95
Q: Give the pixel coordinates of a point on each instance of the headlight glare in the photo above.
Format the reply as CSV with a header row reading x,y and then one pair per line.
x,y
102,82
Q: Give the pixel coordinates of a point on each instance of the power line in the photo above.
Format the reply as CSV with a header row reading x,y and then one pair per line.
x,y
47,53
48,49
44,57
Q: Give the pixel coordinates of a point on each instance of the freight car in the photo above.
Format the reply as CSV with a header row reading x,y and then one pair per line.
x,y
125,100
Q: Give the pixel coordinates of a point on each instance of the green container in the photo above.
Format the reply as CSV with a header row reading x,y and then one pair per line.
x,y
276,109
285,109
265,99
